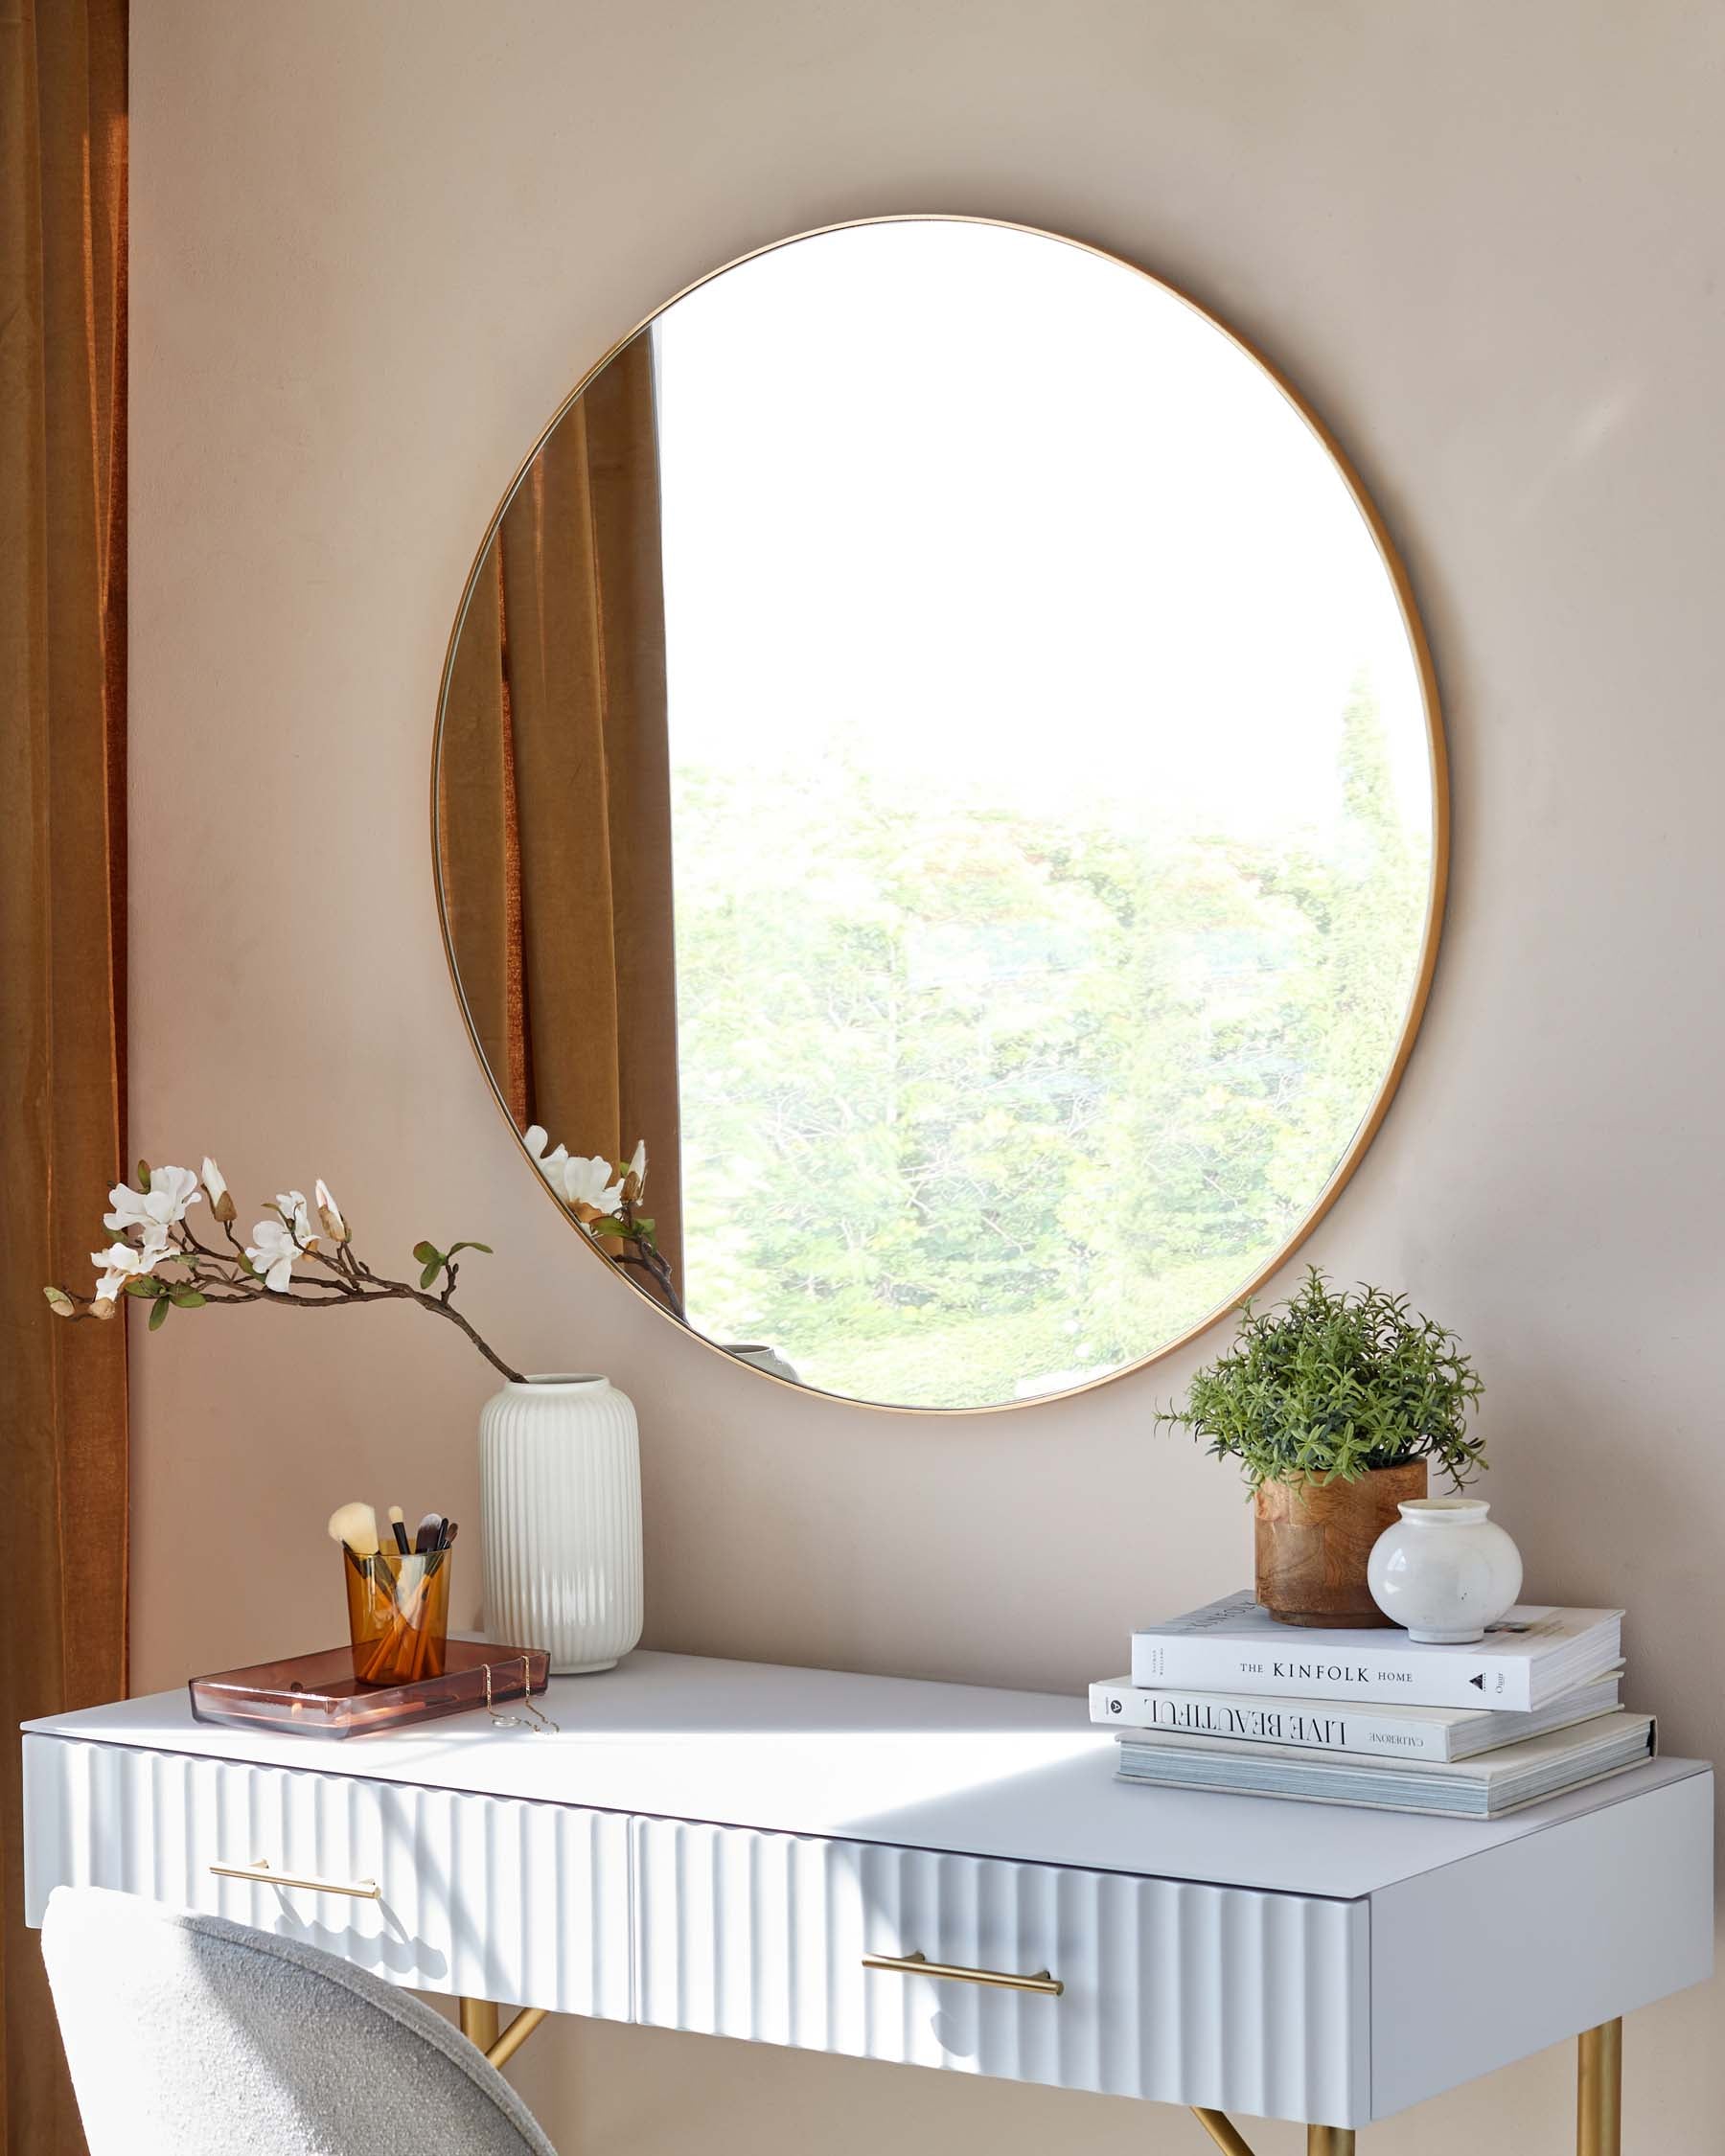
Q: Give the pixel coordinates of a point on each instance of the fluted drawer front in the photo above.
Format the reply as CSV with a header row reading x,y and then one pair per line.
x,y
1175,1992
482,1896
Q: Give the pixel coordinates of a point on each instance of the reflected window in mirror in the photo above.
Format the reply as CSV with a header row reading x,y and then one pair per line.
x,y
937,746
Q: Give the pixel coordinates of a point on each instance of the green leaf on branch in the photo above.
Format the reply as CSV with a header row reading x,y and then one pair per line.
x,y
428,1253
454,1247
146,1284
607,1224
158,1317
246,1266
144,1176
431,1273
186,1299
58,1302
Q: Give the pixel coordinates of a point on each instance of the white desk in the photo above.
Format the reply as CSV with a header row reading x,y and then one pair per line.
x,y
717,1846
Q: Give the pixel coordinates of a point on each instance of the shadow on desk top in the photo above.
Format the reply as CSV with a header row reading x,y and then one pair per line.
x,y
1022,1776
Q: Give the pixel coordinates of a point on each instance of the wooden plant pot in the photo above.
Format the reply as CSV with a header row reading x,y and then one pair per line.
x,y
1313,1541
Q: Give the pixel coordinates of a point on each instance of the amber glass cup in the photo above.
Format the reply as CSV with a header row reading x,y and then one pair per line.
x,y
397,1614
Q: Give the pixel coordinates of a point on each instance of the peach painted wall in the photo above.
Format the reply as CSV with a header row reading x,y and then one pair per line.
x,y
374,244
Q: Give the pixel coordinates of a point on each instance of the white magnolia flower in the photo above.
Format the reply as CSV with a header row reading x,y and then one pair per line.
x,y
272,1252
221,1202
292,1205
587,1188
122,1262
329,1213
549,1164
170,1191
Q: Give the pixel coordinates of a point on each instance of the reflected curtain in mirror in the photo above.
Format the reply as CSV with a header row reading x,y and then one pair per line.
x,y
554,796
62,927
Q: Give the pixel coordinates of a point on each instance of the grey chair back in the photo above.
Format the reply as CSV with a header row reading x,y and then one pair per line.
x,y
192,2036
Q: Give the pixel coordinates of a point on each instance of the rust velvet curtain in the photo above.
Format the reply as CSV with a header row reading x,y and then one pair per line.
x,y
62,894
554,795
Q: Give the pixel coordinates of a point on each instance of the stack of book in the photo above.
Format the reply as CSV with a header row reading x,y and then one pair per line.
x,y
1226,1698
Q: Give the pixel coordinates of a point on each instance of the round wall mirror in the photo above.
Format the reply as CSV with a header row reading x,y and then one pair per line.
x,y
937,748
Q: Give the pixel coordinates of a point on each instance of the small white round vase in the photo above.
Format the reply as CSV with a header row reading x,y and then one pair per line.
x,y
1444,1571
559,1501
761,1358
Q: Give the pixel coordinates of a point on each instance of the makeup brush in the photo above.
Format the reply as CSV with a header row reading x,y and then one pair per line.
x,y
427,1543
356,1525
408,1598
439,1550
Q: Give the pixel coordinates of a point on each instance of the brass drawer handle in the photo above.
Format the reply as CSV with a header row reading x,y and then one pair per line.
x,y
359,1890
919,1964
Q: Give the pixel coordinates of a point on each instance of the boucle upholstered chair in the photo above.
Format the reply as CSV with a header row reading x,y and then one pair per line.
x,y
192,2036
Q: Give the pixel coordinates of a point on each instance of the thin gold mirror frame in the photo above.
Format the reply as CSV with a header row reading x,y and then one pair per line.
x,y
1437,768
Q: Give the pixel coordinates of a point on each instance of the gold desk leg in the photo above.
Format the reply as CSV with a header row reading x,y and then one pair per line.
x,y
515,2035
479,2022
480,2025
1321,2141
1599,2090
1223,2131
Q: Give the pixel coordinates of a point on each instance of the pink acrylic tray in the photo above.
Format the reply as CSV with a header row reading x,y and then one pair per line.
x,y
320,1696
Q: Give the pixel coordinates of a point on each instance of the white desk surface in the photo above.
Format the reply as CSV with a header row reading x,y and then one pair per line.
x,y
1021,1775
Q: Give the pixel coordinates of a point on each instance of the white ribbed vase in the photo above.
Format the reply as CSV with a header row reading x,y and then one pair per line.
x,y
560,1491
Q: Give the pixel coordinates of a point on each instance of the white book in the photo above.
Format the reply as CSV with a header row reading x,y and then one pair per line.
x,y
1392,1733
1530,1656
1484,1788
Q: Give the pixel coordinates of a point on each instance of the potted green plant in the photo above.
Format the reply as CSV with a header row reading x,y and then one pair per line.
x,y
1334,1404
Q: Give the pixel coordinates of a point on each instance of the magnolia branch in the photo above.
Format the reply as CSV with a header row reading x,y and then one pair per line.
x,y
173,1268
604,1198
291,1262
647,1258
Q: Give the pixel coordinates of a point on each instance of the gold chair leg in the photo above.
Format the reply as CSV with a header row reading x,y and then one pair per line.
x,y
1599,2090
1329,2140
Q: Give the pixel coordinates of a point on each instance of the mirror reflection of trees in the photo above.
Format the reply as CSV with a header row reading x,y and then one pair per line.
x,y
978,1105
